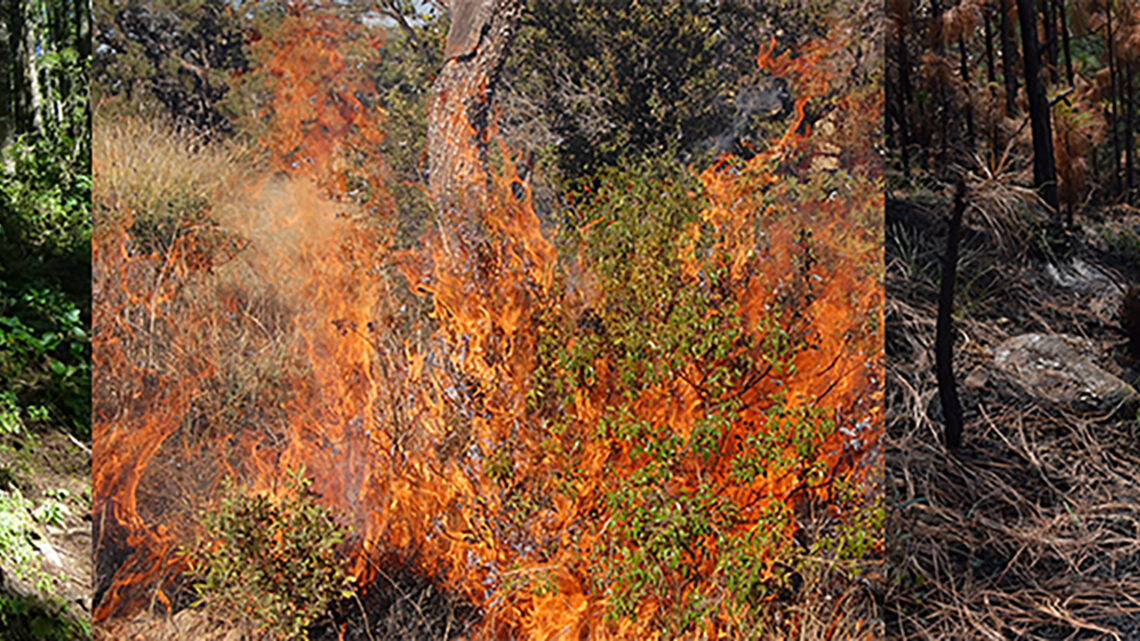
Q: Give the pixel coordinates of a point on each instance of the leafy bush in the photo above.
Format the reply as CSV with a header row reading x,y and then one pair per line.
x,y
47,192
24,618
45,273
272,560
661,321
45,356
16,531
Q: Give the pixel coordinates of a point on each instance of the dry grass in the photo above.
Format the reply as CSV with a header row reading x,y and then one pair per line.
x,y
151,171
1032,530
211,304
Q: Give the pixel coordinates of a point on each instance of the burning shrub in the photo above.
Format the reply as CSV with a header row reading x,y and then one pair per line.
x,y
654,421
271,559
714,439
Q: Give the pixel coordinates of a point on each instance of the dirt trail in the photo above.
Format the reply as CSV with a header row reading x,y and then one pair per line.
x,y
52,473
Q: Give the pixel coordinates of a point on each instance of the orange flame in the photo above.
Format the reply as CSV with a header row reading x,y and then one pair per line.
x,y
397,417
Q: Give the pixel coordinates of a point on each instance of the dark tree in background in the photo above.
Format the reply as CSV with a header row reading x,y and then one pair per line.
x,y
601,82
1044,169
179,55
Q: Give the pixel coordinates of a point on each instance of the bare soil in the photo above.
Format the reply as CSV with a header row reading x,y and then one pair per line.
x,y
47,467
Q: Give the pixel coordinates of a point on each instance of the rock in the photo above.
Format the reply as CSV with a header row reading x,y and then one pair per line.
x,y
51,559
1060,369
1081,277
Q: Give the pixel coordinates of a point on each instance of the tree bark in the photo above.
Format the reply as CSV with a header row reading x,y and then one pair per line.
x,y
1129,140
905,98
944,97
32,74
1114,110
477,45
1008,62
5,84
1044,167
1049,21
964,70
991,74
1064,27
16,79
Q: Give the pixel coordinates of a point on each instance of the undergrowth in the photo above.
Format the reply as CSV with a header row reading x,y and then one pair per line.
x,y
271,560
665,534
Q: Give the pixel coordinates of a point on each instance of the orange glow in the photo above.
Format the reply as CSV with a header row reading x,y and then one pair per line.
x,y
397,416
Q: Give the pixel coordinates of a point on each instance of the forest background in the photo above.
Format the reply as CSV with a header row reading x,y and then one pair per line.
x,y
45,301
1012,334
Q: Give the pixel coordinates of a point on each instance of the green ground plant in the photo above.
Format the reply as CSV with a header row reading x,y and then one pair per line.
x,y
45,276
45,356
31,619
271,561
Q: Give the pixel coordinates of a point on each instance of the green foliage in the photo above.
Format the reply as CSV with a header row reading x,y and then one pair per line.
x,y
271,560
45,255
747,560
408,63
655,543
15,528
612,80
45,356
499,465
1125,243
10,420
803,428
16,532
169,58
51,512
46,192
654,324
24,618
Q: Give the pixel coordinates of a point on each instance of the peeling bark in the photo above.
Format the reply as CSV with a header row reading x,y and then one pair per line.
x,y
477,46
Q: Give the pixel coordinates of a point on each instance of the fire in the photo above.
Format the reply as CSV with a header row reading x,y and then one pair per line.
x,y
403,381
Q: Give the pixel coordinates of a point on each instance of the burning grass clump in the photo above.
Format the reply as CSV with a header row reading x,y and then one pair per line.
x,y
270,559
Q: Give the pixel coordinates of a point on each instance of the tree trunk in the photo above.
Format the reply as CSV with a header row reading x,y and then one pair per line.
x,y
964,70
83,46
943,95
903,101
1044,168
1114,110
32,73
1064,26
5,85
1049,21
991,73
477,45
1129,141
16,78
1008,61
